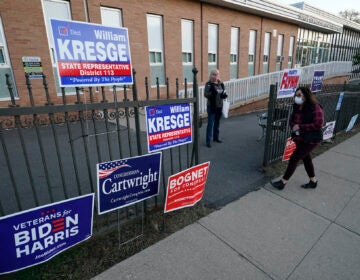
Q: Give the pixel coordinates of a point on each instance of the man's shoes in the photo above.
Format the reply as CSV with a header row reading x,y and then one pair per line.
x,y
278,184
218,140
208,145
310,185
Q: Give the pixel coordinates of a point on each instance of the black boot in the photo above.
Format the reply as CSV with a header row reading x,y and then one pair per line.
x,y
310,185
278,184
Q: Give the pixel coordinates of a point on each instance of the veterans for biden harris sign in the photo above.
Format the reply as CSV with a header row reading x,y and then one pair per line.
x,y
91,54
34,236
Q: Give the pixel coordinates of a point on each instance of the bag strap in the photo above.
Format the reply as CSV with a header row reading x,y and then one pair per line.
x,y
222,86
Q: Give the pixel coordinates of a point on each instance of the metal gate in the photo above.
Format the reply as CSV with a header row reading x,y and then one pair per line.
x,y
49,152
279,111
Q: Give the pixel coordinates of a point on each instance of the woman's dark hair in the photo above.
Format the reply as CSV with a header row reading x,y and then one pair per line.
x,y
309,96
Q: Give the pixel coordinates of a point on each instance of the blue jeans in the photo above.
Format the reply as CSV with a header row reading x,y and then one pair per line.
x,y
213,124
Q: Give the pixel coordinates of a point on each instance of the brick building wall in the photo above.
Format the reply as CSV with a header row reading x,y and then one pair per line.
x,y
25,33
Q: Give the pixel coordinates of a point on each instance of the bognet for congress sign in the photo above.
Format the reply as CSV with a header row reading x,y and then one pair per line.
x,y
187,187
90,54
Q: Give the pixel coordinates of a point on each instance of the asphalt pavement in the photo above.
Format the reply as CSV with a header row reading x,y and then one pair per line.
x,y
235,164
266,233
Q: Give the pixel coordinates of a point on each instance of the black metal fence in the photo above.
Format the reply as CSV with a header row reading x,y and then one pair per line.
x,y
49,153
279,111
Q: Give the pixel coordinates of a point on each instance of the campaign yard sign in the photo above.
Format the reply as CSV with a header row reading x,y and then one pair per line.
x,y
290,147
340,99
127,181
89,54
34,236
352,123
317,81
168,126
289,83
33,67
186,188
329,130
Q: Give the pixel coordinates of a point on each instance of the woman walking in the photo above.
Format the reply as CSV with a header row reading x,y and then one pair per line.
x,y
306,122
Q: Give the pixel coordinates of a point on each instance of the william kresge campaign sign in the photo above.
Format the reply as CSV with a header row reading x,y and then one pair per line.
x,y
91,54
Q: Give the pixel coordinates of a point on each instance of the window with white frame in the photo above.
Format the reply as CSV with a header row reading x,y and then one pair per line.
x,y
252,52
155,42
58,9
111,17
234,47
2,53
156,49
55,9
279,52
187,41
252,46
3,59
266,47
291,48
5,67
212,43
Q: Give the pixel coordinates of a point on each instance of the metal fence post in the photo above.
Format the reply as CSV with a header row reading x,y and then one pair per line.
x,y
10,87
271,106
196,118
137,121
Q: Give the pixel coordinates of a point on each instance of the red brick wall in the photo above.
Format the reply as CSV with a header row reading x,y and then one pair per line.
x,y
288,31
24,31
26,36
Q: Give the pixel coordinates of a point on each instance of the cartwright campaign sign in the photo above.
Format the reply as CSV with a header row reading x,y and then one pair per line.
x,y
127,181
36,235
90,54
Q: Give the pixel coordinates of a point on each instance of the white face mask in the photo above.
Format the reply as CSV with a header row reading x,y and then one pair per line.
x,y
298,100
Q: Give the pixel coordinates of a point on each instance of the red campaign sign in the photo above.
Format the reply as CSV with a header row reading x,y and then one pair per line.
x,y
186,188
289,149
289,82
93,69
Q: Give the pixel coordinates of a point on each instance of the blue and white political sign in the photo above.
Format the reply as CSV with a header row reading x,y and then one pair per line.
x,y
341,97
34,236
317,81
289,83
89,54
329,130
352,123
127,181
168,126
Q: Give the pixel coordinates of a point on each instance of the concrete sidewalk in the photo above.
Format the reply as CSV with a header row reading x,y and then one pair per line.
x,y
269,234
